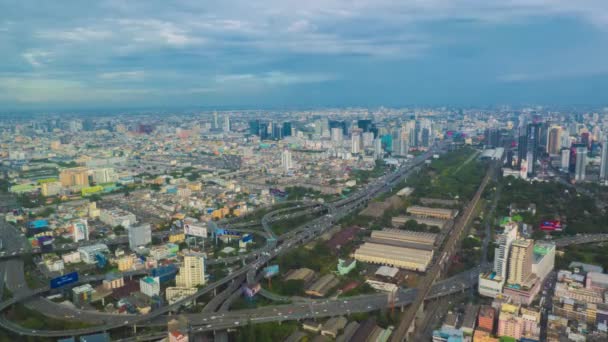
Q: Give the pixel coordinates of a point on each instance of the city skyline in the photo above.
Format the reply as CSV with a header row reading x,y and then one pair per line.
x,y
289,55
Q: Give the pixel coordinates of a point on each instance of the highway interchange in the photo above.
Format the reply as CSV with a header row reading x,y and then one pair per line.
x,y
12,269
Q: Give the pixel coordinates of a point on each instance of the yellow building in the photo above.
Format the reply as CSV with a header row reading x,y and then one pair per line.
x,y
178,237
125,263
77,176
220,213
192,271
482,336
50,188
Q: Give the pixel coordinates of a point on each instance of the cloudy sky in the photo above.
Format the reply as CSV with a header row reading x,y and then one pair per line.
x,y
313,53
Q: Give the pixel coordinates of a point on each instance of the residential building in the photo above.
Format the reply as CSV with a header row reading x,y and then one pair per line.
x,y
139,235
520,261
486,318
581,156
87,253
150,286
192,271
78,176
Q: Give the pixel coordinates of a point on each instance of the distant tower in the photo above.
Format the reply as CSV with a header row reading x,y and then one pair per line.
x,y
356,143
378,148
604,160
579,171
337,135
554,140
227,123
286,160
215,122
565,159
520,262
501,254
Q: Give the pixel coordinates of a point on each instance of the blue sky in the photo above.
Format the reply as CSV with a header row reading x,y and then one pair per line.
x,y
314,53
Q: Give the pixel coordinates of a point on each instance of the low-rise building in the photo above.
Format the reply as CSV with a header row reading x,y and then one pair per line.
x,y
444,214
402,257
333,326
175,294
150,286
88,253
322,286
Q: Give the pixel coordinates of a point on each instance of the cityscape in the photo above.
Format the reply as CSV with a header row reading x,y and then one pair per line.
x,y
295,171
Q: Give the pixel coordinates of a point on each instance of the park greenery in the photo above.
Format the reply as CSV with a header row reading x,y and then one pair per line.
x,y
265,332
577,212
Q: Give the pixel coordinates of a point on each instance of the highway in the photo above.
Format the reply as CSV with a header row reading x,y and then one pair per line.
x,y
340,209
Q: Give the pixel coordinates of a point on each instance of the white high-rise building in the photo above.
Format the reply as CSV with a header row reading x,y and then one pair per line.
x,y
355,143
227,123
501,253
604,159
565,164
337,135
104,175
215,121
579,171
378,148
286,163
368,139
192,271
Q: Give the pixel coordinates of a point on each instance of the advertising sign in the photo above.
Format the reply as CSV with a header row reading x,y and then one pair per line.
x,y
195,230
247,238
271,271
64,280
551,225
220,232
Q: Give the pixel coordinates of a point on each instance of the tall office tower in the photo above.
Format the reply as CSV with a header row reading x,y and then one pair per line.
x,y
227,123
586,139
554,140
355,142
579,171
215,121
492,137
88,125
410,128
501,253
565,164
263,130
520,262
139,235
378,148
368,139
522,149
337,135
404,147
339,124
287,129
286,160
254,127
277,131
533,135
77,176
325,131
604,159
192,271
425,137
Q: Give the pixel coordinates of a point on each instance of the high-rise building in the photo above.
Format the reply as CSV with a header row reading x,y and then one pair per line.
x,y
227,123
286,160
604,159
104,175
139,235
215,121
254,127
355,142
365,125
501,254
579,171
192,271
533,135
520,261
565,162
522,149
150,286
287,129
367,139
77,176
378,148
554,140
337,135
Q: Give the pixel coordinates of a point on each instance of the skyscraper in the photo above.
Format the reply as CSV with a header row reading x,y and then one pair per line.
x,y
378,148
215,121
286,129
533,136
554,140
565,164
192,271
286,160
579,171
501,254
520,262
336,135
227,123
355,142
604,159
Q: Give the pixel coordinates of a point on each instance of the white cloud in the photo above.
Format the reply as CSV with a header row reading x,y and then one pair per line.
x,y
78,34
36,58
122,75
274,78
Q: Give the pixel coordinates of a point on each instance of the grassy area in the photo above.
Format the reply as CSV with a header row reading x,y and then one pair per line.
x,y
265,332
456,175
577,212
589,254
284,226
255,302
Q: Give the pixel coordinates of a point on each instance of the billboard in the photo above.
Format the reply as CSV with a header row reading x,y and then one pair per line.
x,y
551,225
195,230
220,232
271,271
247,238
66,279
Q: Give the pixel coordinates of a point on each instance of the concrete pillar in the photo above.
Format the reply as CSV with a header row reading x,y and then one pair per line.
x,y
215,292
134,329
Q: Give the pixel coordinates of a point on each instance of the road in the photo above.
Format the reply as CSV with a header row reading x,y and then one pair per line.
x,y
449,249
340,209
